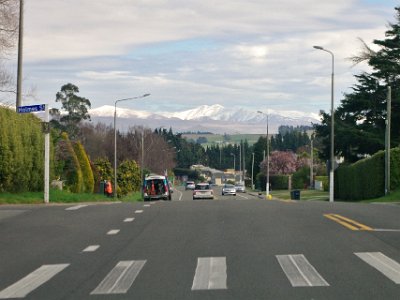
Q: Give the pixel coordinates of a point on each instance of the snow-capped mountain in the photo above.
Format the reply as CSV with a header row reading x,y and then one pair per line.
x,y
215,118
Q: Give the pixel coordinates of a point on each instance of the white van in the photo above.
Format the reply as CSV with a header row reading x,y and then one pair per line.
x,y
156,187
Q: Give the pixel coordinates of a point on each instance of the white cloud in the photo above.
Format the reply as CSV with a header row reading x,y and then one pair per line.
x,y
187,53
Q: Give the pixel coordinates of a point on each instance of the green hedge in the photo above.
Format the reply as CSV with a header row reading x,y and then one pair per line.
x,y
277,182
21,152
301,178
365,179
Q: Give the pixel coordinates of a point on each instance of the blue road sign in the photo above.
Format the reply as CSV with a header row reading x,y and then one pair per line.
x,y
31,108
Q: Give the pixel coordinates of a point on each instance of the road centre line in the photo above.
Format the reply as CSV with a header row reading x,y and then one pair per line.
x,y
91,248
32,281
120,278
113,232
299,271
350,224
387,266
210,274
76,207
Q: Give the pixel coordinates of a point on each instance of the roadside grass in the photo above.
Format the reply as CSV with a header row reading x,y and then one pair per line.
x,y
313,195
57,196
393,196
306,195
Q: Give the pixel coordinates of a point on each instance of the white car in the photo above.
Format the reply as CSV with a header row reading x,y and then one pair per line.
x,y
228,189
240,188
190,185
203,191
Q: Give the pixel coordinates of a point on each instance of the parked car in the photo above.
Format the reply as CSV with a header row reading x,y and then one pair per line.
x,y
156,187
190,185
203,191
228,189
240,188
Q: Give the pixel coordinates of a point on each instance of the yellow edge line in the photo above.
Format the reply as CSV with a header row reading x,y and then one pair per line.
x,y
362,226
341,222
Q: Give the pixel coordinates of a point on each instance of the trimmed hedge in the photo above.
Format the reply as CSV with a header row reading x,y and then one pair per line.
x,y
365,179
277,182
21,152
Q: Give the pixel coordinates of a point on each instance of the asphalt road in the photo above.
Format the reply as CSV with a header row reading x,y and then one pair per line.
x,y
238,247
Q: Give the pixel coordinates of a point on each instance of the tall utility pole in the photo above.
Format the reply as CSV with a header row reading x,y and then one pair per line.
x,y
240,161
332,169
312,164
387,140
252,172
20,53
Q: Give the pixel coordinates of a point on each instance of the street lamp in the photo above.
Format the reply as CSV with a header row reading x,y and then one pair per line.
x,y
267,181
331,173
115,138
234,166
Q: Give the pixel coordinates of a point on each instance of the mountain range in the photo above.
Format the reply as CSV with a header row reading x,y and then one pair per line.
x,y
211,118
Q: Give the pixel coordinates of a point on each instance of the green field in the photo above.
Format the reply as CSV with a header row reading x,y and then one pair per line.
x,y
214,139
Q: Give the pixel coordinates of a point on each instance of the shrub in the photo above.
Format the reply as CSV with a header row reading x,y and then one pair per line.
x,y
301,178
70,167
128,177
87,173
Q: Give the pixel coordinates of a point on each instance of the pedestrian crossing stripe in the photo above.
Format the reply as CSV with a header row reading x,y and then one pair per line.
x,y
299,271
120,278
387,266
32,281
210,274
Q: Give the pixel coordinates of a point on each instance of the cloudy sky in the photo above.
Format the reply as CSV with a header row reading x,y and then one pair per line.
x,y
255,54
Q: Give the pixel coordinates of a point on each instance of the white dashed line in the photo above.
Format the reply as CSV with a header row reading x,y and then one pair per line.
x,y
76,207
91,248
139,211
129,220
146,205
113,232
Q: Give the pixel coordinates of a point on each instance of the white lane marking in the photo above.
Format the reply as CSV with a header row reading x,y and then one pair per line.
x,y
146,205
210,274
299,271
181,194
91,248
386,230
139,211
242,196
120,278
387,266
32,281
76,207
113,232
129,220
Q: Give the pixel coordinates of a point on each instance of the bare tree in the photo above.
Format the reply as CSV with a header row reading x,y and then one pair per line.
x,y
9,13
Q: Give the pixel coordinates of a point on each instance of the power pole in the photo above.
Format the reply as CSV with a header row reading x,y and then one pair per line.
x,y
20,52
387,141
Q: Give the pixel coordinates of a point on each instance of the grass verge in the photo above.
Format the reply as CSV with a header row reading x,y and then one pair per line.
x,y
57,196
307,195
393,196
